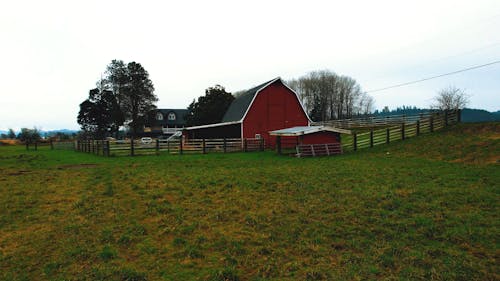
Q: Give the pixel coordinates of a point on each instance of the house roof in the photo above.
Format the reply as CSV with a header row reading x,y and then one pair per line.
x,y
180,117
305,130
240,105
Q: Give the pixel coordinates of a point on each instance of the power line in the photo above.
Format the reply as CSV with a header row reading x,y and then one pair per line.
x,y
433,77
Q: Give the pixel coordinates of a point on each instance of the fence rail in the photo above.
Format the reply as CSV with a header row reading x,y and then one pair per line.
x,y
312,150
192,146
391,131
384,121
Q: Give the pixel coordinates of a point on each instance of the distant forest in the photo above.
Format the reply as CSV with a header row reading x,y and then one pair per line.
x,y
468,114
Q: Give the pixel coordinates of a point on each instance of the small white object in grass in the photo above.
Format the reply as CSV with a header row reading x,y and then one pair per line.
x,y
387,153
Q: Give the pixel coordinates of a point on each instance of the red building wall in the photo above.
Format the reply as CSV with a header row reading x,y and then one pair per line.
x,y
275,107
320,137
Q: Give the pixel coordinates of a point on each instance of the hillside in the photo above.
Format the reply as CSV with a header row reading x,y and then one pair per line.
x,y
469,115
426,208
479,115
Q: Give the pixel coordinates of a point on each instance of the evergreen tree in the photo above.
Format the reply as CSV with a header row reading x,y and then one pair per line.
x,y
209,108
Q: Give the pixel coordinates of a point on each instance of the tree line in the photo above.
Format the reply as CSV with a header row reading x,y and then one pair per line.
x,y
25,135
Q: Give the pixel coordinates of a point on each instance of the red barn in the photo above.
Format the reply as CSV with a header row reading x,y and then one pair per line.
x,y
268,107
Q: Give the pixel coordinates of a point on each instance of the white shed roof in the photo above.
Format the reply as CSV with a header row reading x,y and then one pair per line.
x,y
304,130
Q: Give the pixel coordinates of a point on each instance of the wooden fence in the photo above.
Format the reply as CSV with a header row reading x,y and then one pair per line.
x,y
411,127
384,121
62,145
192,146
368,132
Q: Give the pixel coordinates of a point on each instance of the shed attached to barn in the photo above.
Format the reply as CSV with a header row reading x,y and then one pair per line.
x,y
324,139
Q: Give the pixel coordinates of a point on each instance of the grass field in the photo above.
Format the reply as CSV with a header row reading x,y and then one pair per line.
x,y
423,209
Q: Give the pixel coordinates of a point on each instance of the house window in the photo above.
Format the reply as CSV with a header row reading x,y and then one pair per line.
x,y
171,116
159,116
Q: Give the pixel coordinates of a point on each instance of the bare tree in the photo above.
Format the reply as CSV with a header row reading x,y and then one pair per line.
x,y
451,98
326,95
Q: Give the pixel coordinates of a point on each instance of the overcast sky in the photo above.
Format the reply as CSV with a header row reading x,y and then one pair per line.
x,y
53,52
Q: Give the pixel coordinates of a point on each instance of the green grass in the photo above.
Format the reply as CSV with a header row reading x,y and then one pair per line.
x,y
422,209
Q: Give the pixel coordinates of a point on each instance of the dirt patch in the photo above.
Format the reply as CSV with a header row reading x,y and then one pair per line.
x,y
9,142
77,166
18,173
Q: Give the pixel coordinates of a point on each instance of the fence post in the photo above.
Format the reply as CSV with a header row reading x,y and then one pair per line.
x,y
97,147
459,115
418,127
108,151
204,146
168,146
371,137
157,146
278,144
244,145
261,144
51,145
180,146
132,146
403,131
431,126
225,145
446,118
388,135
355,141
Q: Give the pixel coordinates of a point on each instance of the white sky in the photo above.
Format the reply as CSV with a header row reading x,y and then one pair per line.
x,y
53,52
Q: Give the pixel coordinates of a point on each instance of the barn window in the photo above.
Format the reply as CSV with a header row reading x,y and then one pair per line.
x,y
159,116
171,116
258,136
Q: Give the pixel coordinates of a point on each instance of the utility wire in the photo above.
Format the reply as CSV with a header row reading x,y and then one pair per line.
x,y
433,77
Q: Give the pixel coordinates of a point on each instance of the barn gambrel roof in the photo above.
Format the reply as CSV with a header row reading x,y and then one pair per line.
x,y
240,105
